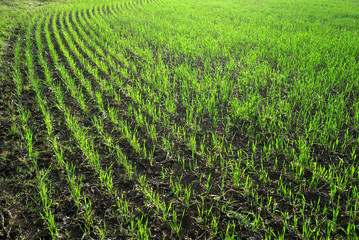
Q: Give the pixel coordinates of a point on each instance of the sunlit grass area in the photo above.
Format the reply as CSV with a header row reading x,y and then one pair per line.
x,y
169,119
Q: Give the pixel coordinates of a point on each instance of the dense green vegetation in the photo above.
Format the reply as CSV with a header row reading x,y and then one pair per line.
x,y
182,119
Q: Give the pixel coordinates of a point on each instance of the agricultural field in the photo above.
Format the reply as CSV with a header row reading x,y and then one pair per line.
x,y
180,119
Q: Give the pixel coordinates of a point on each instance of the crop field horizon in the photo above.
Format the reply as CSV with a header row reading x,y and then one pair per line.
x,y
181,119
